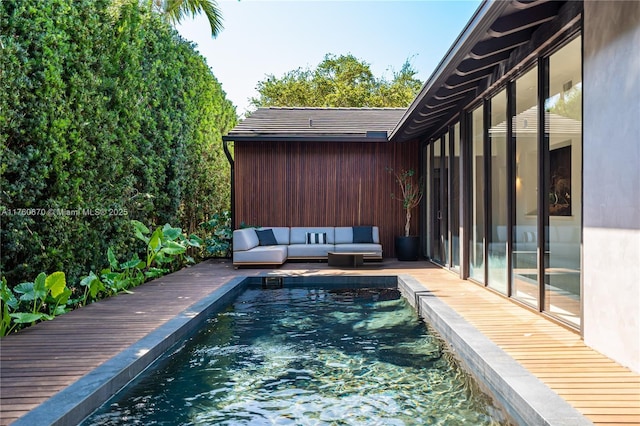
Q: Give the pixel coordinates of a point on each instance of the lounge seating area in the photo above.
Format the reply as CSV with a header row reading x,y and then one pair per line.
x,y
276,245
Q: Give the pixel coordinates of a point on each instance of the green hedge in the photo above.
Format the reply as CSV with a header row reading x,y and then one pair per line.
x,y
106,115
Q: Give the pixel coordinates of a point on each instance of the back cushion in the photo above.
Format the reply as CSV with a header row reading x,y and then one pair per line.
x,y
299,234
244,239
281,233
375,233
344,235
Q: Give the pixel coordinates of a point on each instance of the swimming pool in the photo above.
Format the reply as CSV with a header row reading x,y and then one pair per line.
x,y
307,354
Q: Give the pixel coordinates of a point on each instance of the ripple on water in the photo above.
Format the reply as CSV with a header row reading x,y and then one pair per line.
x,y
307,357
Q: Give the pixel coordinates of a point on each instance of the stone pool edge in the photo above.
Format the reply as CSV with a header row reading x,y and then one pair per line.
x,y
525,397
74,403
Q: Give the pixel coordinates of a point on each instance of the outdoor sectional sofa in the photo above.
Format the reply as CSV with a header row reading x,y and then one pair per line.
x,y
276,245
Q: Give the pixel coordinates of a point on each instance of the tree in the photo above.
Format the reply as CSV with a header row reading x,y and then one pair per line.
x,y
176,10
338,81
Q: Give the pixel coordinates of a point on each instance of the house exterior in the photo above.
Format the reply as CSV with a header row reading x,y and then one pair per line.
x,y
527,137
320,167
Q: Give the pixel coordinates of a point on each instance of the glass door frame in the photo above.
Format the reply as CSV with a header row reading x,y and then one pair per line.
x,y
438,214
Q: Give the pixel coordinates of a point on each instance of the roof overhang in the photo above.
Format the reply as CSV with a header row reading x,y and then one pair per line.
x,y
498,35
304,138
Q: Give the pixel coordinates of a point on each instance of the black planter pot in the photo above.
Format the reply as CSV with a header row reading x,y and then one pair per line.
x,y
407,248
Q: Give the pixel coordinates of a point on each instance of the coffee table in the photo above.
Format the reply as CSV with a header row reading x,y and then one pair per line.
x,y
345,259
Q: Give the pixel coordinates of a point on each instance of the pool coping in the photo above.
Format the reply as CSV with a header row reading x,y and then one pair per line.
x,y
74,403
525,398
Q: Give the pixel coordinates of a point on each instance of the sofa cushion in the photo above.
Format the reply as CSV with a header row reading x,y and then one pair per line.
x,y
281,233
298,234
262,254
266,237
373,250
362,234
307,251
244,239
316,238
343,234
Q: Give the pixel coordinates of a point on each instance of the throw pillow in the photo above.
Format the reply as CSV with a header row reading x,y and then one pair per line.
x,y
266,237
362,234
316,238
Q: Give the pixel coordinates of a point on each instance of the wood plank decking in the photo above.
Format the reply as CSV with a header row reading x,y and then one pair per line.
x,y
40,361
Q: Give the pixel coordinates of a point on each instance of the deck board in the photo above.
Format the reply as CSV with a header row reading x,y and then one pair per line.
x,y
40,361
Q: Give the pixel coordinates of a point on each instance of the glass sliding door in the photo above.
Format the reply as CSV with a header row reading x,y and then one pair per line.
x,y
426,212
563,125
444,217
524,273
477,237
455,199
498,207
436,198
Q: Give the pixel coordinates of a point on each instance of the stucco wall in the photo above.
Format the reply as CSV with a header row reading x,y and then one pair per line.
x,y
611,246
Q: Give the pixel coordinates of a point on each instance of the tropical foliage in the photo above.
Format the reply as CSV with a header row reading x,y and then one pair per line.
x,y
48,296
338,81
107,115
176,10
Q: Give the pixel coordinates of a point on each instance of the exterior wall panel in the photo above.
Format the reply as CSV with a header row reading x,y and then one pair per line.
x,y
323,184
611,246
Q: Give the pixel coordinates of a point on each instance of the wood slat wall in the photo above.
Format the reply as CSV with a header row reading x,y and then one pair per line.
x,y
323,184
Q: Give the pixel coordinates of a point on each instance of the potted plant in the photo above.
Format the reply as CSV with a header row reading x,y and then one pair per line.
x,y
411,191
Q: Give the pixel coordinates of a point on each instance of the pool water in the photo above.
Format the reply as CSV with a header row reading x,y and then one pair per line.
x,y
306,356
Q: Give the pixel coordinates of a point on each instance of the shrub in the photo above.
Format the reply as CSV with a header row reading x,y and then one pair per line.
x,y
104,118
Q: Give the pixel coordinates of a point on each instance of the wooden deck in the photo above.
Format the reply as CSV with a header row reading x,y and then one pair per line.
x,y
40,361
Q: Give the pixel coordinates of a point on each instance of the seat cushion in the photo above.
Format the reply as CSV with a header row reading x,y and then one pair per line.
x,y
261,254
374,249
303,251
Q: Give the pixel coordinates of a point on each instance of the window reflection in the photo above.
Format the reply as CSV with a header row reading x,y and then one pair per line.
x,y
563,124
525,229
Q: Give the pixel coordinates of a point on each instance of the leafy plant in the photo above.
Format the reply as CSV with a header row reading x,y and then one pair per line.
x,y
164,246
411,191
218,244
47,296
30,302
9,303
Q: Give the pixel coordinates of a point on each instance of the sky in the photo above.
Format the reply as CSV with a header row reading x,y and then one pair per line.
x,y
268,37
